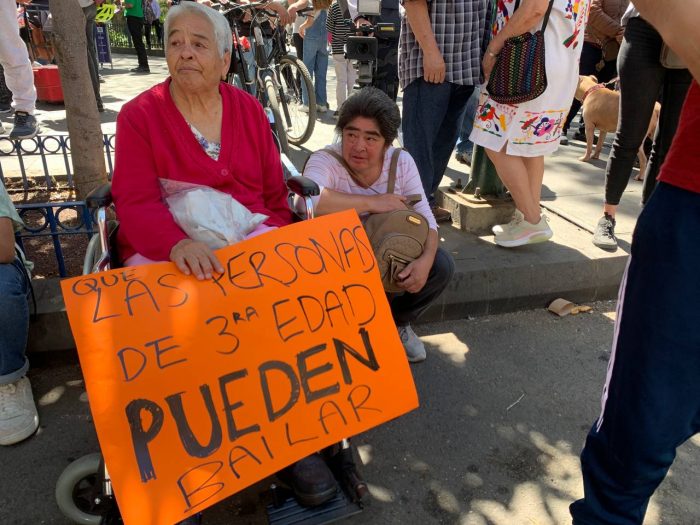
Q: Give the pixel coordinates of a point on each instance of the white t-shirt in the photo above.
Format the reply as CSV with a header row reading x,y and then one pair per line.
x,y
327,172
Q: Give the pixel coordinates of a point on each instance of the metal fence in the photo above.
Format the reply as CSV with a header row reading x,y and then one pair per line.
x,y
38,174
119,34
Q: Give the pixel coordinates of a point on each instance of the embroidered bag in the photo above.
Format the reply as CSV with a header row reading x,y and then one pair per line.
x,y
397,237
519,74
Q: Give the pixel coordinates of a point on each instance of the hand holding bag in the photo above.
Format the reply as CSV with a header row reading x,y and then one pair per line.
x,y
520,74
397,237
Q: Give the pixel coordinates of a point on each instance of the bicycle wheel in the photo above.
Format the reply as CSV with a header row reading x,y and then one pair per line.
x,y
299,120
273,103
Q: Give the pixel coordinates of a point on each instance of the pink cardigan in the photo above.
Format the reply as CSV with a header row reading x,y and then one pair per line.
x,y
154,141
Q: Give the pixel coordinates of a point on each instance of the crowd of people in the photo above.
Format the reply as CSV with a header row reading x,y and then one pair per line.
x,y
207,132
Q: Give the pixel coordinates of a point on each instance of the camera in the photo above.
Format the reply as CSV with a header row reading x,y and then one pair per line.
x,y
361,48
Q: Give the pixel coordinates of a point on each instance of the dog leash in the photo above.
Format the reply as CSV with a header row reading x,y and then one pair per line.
x,y
591,90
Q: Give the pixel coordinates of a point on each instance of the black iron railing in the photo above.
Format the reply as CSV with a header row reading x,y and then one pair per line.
x,y
38,174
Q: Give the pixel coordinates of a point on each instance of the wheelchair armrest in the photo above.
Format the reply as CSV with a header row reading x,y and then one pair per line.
x,y
303,186
100,197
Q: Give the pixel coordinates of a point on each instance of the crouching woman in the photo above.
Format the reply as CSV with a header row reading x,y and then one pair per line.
x,y
368,122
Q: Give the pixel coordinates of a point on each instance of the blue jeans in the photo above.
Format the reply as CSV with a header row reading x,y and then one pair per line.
x,y
14,321
316,59
653,393
464,145
431,117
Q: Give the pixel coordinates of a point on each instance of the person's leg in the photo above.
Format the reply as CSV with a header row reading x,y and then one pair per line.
x,y
641,76
513,172
298,43
351,75
14,322
5,94
448,132
651,400
535,175
464,145
408,307
321,74
18,416
310,50
159,31
590,57
340,80
424,107
608,72
135,26
90,13
147,33
675,88
15,60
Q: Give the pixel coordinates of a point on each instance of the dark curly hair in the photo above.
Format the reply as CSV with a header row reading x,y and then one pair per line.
x,y
371,103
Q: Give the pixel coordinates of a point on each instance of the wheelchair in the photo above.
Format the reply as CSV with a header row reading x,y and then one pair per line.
x,y
84,490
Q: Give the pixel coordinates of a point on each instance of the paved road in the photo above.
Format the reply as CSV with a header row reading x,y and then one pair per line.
x,y
505,405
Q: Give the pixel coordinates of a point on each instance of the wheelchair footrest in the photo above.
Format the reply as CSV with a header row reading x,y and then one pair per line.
x,y
290,512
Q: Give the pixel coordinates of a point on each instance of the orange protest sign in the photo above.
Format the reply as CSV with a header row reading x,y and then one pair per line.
x,y
199,389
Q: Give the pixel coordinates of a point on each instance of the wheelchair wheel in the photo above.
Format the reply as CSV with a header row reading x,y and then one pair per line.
x,y
300,124
79,491
274,105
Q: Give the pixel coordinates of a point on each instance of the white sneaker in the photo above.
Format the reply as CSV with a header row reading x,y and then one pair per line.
x,y
304,108
517,217
18,416
322,108
415,349
522,232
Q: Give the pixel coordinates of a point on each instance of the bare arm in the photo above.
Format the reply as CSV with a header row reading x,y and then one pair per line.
x,y
677,21
7,241
525,18
418,19
332,201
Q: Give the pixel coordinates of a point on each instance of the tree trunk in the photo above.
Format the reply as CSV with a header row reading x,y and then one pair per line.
x,y
84,128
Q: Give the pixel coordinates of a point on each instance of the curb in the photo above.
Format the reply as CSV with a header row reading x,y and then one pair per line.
x,y
488,280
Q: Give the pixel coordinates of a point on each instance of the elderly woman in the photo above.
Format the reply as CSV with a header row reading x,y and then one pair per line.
x,y
195,128
368,122
517,137
192,128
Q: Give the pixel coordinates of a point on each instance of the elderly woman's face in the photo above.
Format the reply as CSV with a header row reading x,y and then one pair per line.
x,y
193,54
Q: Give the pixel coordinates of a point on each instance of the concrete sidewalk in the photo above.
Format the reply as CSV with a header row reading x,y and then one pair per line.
x,y
489,279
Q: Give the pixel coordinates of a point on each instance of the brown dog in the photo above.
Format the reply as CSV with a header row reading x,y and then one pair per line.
x,y
600,110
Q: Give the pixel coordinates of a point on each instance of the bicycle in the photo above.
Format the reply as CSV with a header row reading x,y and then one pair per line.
x,y
280,78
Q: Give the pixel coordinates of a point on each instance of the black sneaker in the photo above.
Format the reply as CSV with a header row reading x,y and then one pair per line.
x,y
25,126
141,69
5,108
604,235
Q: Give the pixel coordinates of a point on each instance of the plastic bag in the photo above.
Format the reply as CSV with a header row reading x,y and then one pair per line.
x,y
208,215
